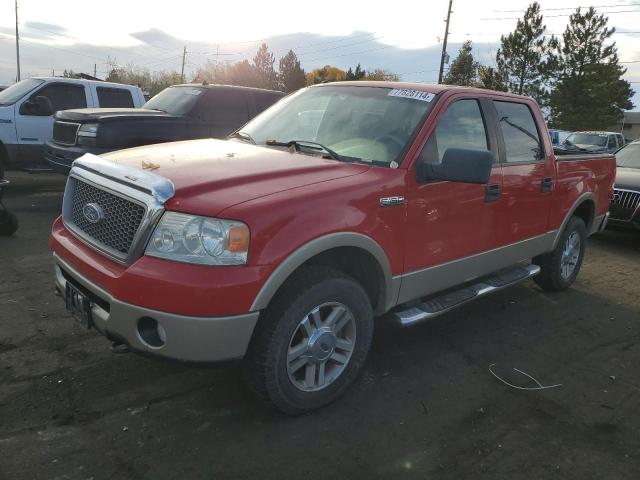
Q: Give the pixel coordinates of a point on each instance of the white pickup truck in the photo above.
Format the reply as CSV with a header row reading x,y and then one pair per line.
x,y
27,108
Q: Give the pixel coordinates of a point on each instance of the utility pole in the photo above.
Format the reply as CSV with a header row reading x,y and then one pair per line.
x,y
95,70
444,43
184,55
17,45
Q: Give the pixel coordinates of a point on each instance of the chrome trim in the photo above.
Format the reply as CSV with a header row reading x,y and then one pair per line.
x,y
159,187
630,199
150,191
416,314
430,280
75,139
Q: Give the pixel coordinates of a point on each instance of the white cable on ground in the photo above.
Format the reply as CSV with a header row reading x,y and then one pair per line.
x,y
539,387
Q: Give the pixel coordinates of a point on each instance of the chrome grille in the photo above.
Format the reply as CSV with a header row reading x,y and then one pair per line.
x,y
65,133
624,205
121,220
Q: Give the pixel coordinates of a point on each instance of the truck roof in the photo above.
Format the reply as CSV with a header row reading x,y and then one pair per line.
x,y
423,87
220,85
598,132
84,82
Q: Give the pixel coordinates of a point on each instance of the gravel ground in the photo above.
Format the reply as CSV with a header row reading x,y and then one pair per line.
x,y
426,406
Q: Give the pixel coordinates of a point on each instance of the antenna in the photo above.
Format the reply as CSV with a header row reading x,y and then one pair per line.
x,y
17,45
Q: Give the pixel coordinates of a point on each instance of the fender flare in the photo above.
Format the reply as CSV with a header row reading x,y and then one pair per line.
x,y
585,197
277,278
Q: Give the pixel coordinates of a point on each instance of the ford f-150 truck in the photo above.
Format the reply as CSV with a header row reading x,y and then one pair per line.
x,y
339,204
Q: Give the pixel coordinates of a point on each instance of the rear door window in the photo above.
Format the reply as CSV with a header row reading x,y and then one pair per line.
x,y
224,107
264,100
521,137
114,97
461,126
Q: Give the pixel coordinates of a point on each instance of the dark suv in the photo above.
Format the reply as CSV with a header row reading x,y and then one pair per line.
x,y
181,112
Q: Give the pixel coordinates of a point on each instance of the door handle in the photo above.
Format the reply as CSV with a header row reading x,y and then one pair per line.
x,y
547,184
492,192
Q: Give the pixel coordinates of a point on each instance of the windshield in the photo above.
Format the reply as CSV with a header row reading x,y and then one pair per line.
x,y
629,156
18,90
369,124
175,100
587,139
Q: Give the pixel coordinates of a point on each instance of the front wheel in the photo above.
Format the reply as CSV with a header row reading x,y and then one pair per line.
x,y
560,267
312,341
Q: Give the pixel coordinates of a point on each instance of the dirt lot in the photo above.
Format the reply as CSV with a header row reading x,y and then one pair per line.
x,y
426,406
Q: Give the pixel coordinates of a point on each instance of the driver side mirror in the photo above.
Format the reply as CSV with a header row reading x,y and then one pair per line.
x,y
40,106
458,165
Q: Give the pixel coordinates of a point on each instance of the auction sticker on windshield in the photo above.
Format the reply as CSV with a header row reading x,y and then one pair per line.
x,y
413,94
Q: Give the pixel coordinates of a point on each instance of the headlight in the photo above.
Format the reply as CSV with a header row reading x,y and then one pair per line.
x,y
195,239
87,134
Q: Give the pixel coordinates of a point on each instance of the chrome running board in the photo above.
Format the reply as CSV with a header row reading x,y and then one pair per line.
x,y
439,304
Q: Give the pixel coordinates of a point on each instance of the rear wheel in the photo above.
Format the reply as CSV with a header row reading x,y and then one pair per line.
x,y
560,267
312,342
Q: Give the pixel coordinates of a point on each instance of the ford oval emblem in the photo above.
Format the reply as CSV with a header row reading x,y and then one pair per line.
x,y
92,212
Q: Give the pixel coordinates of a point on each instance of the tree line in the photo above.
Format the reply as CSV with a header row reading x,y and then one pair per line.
x,y
260,72
576,78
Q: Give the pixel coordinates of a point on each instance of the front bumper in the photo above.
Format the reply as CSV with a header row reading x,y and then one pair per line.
x,y
61,158
189,338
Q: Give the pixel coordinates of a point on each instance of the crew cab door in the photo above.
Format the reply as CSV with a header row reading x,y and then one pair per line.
x,y
35,127
219,113
450,221
528,172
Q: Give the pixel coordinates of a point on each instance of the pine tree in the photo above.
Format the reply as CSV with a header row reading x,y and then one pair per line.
x,y
522,55
291,75
464,69
491,78
264,61
357,74
589,92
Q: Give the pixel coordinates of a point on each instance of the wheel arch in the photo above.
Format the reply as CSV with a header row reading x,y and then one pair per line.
x,y
352,253
585,208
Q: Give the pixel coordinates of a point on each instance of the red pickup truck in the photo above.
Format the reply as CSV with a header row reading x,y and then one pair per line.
x,y
341,203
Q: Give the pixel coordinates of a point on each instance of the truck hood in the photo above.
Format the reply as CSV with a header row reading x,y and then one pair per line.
x,y
628,178
106,114
211,175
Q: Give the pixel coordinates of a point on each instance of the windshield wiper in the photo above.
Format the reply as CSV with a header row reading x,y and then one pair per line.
x,y
242,136
319,147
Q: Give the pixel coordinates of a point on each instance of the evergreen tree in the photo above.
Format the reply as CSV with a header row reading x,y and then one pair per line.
x,y
492,79
522,55
291,75
589,92
264,61
464,69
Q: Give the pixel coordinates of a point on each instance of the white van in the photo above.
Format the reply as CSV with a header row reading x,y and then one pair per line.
x,y
27,108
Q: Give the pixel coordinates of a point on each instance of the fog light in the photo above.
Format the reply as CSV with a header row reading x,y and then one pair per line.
x,y
151,332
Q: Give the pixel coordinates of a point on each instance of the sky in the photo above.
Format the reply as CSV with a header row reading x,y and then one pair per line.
x,y
403,36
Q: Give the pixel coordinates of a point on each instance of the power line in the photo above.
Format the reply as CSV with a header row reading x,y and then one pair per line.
x,y
574,8
560,15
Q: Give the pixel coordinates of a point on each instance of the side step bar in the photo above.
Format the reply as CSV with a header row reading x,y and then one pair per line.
x,y
434,306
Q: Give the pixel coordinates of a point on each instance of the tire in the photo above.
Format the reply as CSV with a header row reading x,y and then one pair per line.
x,y
560,267
8,223
282,377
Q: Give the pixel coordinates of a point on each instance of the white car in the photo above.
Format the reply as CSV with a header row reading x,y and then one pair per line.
x,y
27,108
